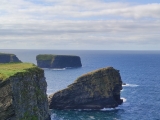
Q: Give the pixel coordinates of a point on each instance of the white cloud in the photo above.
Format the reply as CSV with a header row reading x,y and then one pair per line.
x,y
63,9
77,23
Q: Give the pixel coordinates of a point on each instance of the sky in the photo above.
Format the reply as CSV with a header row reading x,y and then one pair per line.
x,y
80,24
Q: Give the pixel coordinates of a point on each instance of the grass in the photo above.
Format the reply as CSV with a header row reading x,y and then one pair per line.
x,y
6,54
10,69
45,57
51,56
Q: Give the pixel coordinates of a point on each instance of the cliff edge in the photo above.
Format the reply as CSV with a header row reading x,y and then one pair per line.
x,y
23,92
58,61
8,58
95,90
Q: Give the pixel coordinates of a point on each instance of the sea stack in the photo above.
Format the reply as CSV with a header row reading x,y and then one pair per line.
x,y
58,61
23,92
8,58
95,90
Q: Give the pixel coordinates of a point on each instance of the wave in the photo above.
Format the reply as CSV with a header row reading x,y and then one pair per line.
x,y
108,109
83,109
57,69
45,68
124,99
91,117
54,69
130,85
69,67
104,109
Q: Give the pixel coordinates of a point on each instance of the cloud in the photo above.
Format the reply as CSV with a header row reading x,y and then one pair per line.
x,y
79,30
77,23
68,9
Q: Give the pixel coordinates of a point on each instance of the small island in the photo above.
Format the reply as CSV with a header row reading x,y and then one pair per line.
x,y
95,90
8,58
58,61
23,92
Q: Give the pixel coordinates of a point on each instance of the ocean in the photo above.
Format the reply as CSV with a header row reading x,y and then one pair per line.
x,y
140,70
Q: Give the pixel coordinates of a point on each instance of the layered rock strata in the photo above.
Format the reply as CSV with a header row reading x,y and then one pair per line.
x,y
8,58
58,61
95,90
23,92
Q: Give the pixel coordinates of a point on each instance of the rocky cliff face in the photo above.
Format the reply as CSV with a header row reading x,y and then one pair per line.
x,y
23,96
96,90
8,58
58,61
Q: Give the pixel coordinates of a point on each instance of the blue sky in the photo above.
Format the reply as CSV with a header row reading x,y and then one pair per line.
x,y
80,24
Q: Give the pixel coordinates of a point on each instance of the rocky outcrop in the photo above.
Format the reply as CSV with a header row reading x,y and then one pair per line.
x,y
23,94
123,83
8,58
95,90
58,61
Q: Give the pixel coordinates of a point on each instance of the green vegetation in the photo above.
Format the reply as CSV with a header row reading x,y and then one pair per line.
x,y
6,54
50,56
27,116
10,69
8,58
45,57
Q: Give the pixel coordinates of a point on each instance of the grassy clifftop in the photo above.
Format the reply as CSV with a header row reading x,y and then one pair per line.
x,y
58,61
23,92
10,69
9,58
95,90
45,57
50,56
6,54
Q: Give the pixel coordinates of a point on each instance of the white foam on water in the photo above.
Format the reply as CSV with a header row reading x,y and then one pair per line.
x,y
69,67
104,109
45,68
54,69
49,93
91,117
124,99
83,109
57,69
130,85
115,119
108,109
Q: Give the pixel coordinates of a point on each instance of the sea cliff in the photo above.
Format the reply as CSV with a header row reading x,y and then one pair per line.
x,y
23,92
95,90
58,61
8,58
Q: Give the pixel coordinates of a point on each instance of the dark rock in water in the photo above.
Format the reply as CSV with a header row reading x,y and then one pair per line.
x,y
23,92
8,58
58,61
123,83
95,90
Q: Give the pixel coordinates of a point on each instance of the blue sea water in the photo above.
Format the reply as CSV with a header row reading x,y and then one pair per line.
x,y
139,69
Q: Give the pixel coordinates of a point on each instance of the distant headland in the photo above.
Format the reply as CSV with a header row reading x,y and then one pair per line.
x,y
8,58
58,61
